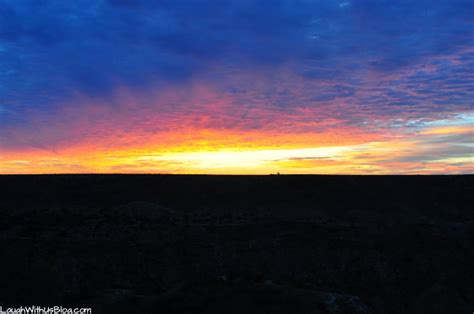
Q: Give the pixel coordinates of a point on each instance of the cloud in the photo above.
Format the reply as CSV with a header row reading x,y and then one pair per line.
x,y
58,48
121,72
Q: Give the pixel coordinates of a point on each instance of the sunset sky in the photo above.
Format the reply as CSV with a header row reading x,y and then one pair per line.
x,y
237,86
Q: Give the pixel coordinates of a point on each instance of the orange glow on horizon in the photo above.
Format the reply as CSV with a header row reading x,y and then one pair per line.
x,y
206,138
227,152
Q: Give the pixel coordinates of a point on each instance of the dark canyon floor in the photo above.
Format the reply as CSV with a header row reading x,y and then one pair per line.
x,y
238,244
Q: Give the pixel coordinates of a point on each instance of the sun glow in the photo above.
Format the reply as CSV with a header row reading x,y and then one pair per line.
x,y
205,151
248,159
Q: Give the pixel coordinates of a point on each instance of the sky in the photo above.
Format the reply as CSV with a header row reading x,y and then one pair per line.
x,y
237,86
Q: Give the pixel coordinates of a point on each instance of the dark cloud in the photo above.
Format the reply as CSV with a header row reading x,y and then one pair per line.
x,y
382,58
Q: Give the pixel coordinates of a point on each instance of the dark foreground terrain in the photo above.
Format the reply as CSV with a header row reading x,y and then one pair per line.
x,y
238,244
